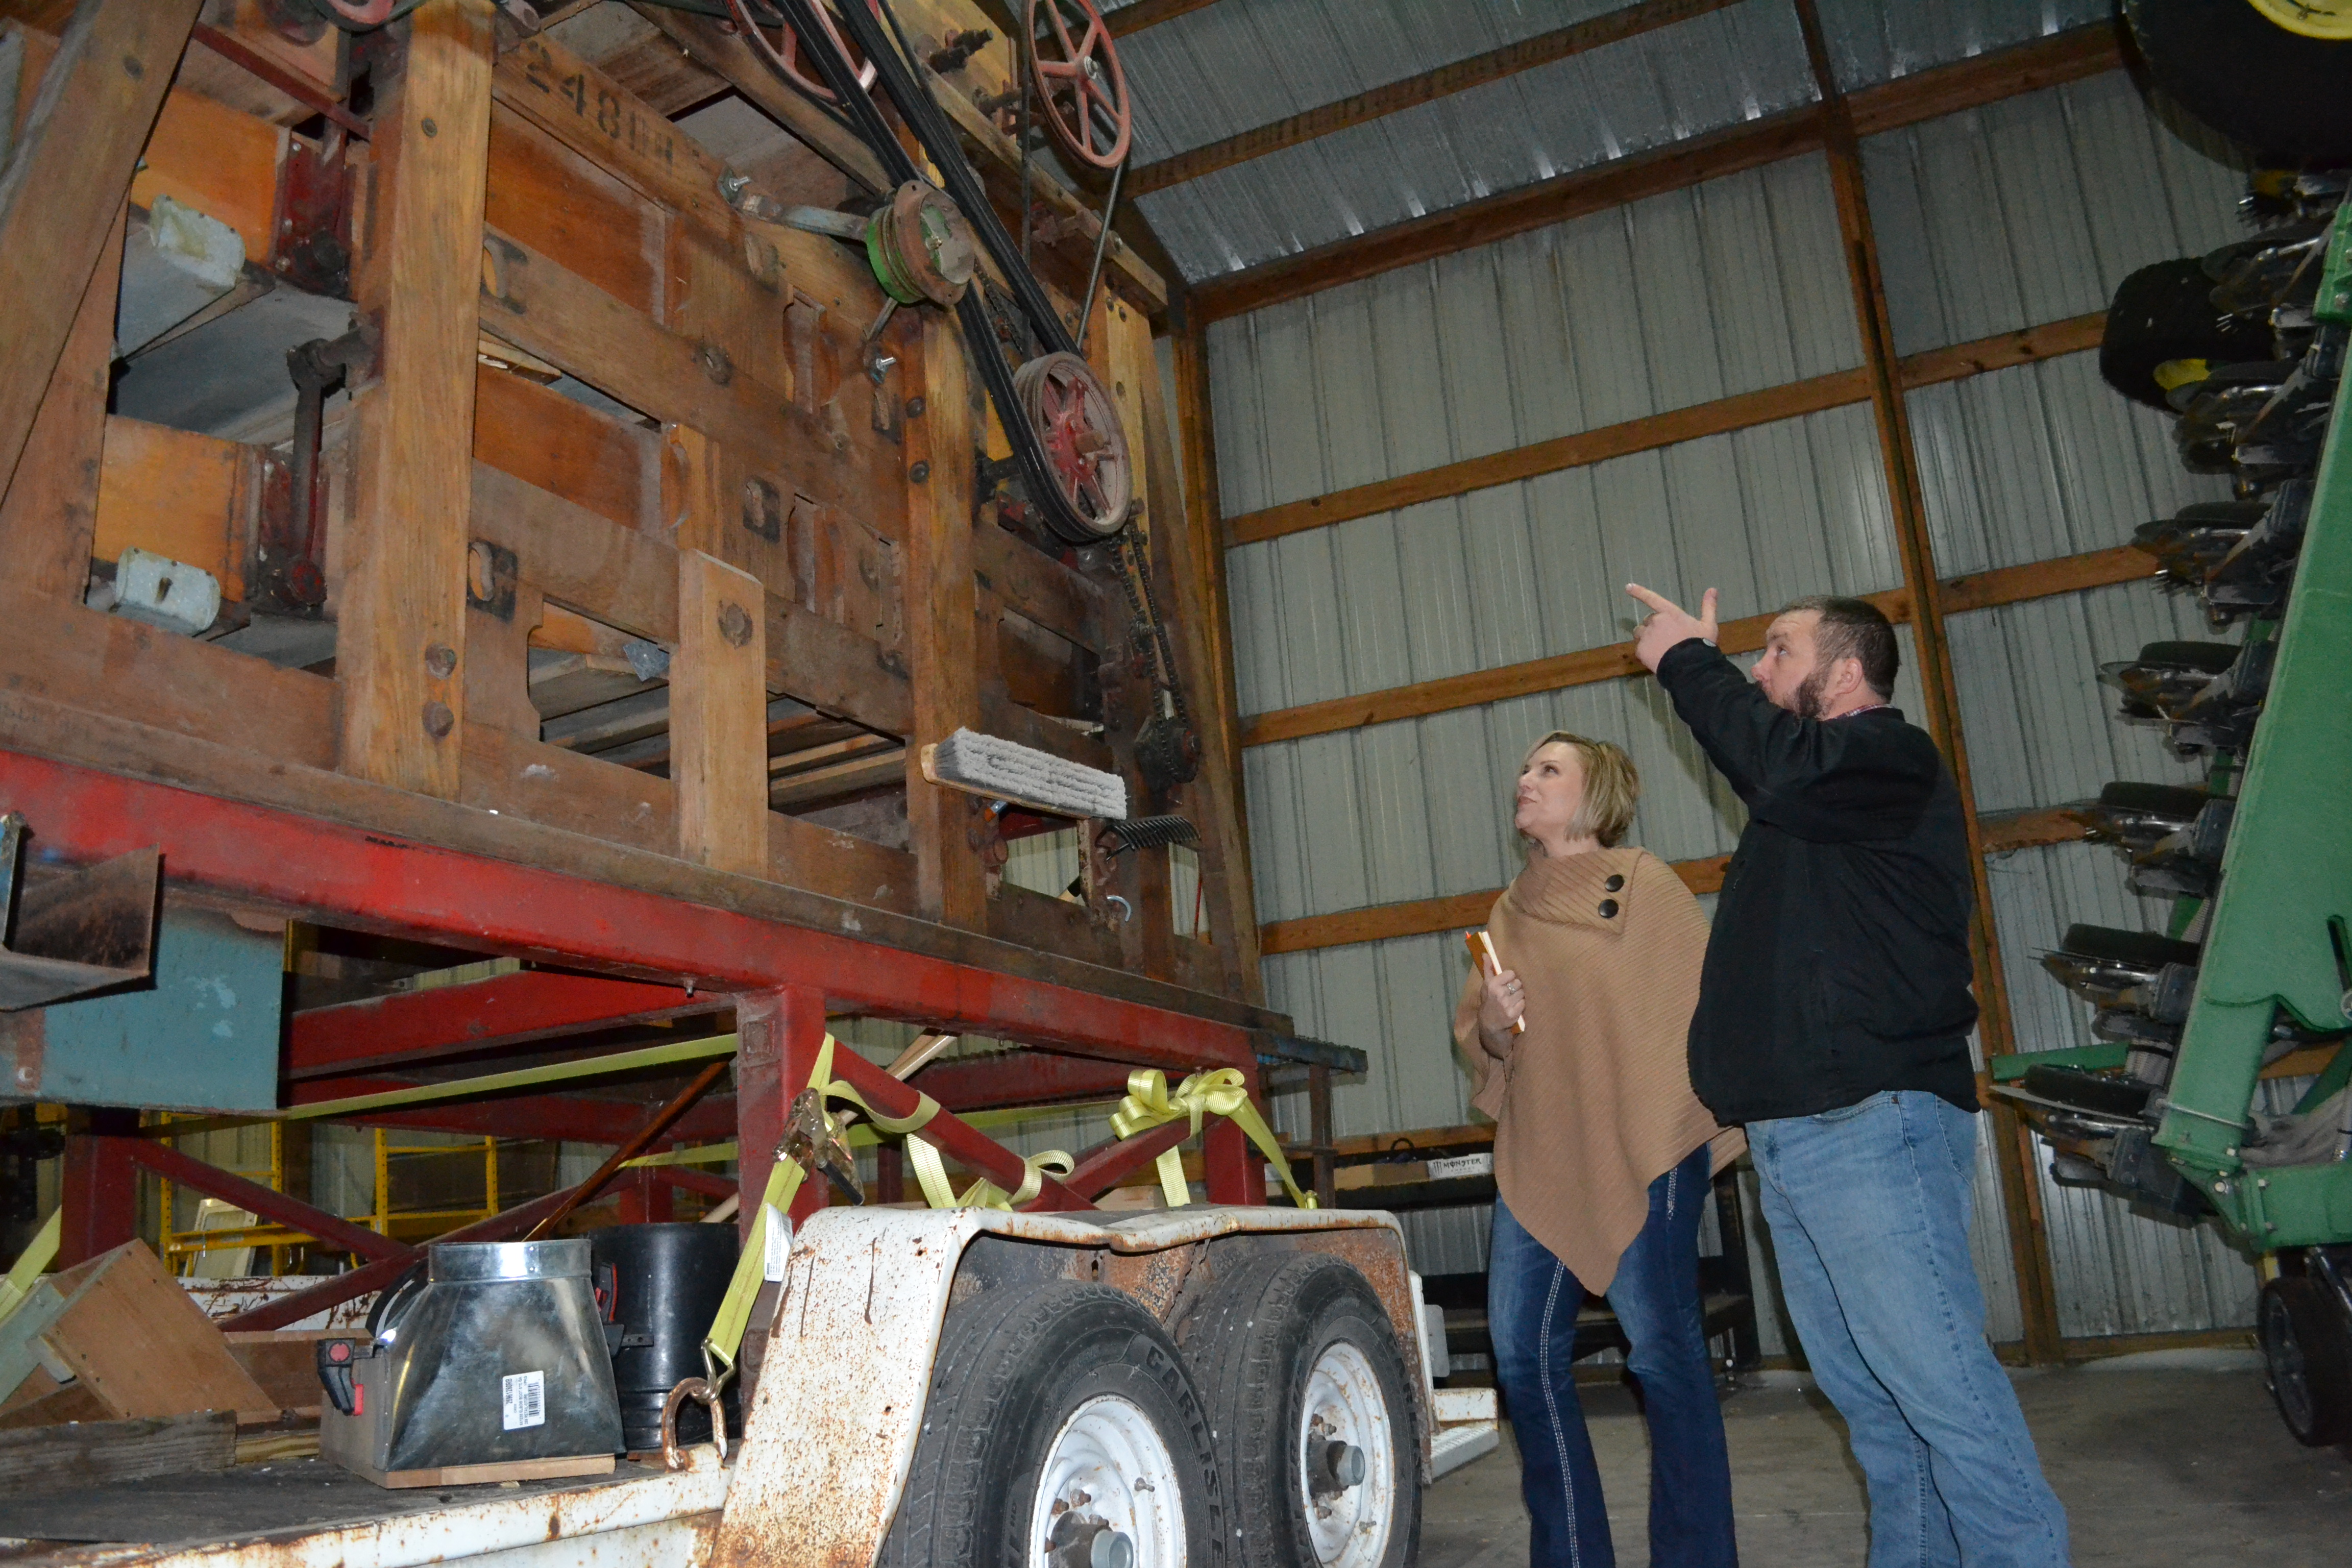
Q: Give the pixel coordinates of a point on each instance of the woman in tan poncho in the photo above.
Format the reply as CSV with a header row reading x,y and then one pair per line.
x,y
1602,1156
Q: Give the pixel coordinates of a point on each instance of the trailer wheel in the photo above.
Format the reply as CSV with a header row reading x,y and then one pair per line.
x,y
1314,1411
1061,1431
2307,1359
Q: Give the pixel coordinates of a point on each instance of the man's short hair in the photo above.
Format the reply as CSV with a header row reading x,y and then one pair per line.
x,y
1613,786
1854,628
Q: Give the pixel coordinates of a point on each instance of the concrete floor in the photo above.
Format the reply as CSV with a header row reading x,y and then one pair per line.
x,y
2161,1459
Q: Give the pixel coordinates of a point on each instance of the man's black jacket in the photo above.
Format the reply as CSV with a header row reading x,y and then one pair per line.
x,y
1839,965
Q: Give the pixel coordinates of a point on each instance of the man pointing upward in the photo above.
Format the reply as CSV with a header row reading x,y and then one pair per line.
x,y
1833,1021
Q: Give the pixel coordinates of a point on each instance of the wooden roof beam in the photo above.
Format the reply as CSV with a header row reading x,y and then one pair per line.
x,y
2065,57
1411,92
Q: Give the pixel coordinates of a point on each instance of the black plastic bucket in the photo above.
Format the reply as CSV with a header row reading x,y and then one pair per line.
x,y
661,1285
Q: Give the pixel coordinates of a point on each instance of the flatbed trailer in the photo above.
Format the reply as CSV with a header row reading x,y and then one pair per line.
x,y
589,623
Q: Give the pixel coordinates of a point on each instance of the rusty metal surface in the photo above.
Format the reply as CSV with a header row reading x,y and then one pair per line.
x,y
81,931
830,1432
227,1298
657,1520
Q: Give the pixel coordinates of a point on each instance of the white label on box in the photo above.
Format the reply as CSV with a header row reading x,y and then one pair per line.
x,y
1460,1166
522,1399
778,1234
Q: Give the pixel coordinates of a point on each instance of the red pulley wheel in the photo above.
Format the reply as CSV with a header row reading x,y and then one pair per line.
x,y
791,55
1077,423
1080,85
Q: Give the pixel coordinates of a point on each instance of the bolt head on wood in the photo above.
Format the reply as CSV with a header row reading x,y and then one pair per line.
x,y
438,720
921,473
734,625
440,661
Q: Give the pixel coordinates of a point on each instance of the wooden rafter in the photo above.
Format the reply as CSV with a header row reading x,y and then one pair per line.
x,y
1615,661
1411,92
2064,57
1459,911
1723,414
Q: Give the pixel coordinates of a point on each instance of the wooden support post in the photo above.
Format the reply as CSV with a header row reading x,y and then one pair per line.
x,y
404,594
62,190
2020,1191
718,716
941,607
99,1186
1195,562
50,509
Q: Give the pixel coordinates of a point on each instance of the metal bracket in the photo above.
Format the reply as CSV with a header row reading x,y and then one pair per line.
x,y
74,934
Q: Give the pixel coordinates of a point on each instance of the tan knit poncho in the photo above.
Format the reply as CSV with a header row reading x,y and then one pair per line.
x,y
1593,1103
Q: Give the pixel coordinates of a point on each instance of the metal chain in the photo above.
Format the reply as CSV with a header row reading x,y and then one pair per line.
x,y
1135,572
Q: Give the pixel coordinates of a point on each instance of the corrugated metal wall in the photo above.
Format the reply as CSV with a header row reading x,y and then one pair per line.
x,y
1991,221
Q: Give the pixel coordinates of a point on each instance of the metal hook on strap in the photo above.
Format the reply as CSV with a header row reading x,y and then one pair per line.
x,y
708,1392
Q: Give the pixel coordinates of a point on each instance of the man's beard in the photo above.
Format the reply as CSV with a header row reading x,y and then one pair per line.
x,y
1806,702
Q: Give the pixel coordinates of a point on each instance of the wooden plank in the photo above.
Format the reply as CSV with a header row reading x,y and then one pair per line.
x,y
2074,335
2070,56
104,664
185,496
108,1453
561,445
941,632
716,48
834,671
1787,401
220,161
1422,916
1480,687
1987,78
49,509
1413,92
1539,205
138,1342
402,634
1574,451
61,192
577,558
546,197
718,716
2043,579
2032,829
1040,587
539,306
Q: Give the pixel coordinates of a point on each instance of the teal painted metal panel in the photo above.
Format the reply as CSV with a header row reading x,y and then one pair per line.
x,y
205,1037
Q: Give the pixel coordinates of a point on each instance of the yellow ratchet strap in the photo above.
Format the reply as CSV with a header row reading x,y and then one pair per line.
x,y
1221,1091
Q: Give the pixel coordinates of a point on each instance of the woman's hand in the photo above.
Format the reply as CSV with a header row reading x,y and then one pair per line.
x,y
1506,1000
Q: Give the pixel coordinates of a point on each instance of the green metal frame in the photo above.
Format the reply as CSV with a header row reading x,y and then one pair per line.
x,y
2286,879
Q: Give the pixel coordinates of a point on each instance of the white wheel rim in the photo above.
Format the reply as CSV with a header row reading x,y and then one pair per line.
x,y
1345,1404
1109,1463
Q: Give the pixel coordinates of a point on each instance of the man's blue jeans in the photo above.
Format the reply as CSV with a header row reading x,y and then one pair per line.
x,y
1531,1306
1868,1207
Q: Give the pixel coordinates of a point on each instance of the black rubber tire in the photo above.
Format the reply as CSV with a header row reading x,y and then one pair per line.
x,y
2278,94
1253,1340
1014,1362
2307,1359
2165,312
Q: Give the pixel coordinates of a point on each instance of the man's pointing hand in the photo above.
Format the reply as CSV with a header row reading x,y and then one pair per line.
x,y
1668,624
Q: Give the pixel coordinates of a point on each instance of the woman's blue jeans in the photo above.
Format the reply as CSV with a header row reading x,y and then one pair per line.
x,y
1531,1306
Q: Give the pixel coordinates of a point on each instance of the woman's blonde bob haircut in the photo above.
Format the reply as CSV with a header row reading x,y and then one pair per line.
x,y
1612,787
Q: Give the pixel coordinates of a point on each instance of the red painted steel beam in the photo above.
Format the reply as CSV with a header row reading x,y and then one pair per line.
x,y
98,1189
450,1020
1105,1165
692,1180
375,882
272,1206
376,1276
954,1137
1022,1077
580,1118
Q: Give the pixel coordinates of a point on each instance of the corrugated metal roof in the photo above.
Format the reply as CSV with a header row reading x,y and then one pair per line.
x,y
1695,76
2034,208
1243,64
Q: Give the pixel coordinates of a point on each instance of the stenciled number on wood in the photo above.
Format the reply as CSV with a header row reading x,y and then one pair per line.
x,y
609,115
